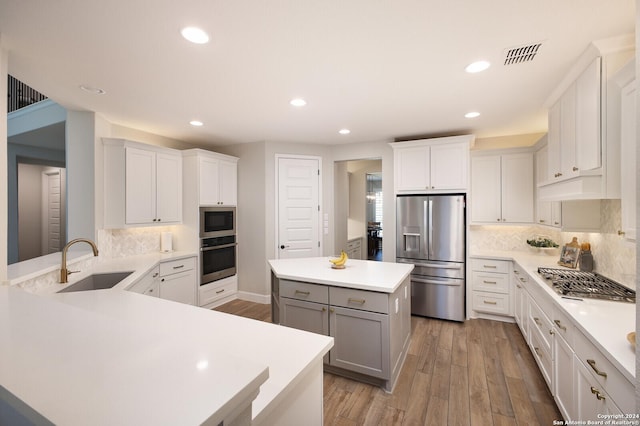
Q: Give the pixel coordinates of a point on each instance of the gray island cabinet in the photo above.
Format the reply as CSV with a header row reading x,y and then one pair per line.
x,y
365,307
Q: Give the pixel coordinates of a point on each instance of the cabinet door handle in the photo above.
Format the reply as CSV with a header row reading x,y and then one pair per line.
x,y
359,301
575,169
220,291
537,351
304,293
621,232
332,310
487,302
597,393
541,220
518,285
551,332
156,274
516,272
324,309
489,282
592,364
489,266
523,279
537,321
178,267
559,325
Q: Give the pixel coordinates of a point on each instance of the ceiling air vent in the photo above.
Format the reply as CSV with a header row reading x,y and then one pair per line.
x,y
519,54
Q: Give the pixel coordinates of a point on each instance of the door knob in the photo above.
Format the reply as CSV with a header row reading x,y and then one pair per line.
x,y
284,247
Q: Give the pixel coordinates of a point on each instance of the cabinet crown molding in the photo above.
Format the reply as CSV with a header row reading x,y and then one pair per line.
x,y
471,139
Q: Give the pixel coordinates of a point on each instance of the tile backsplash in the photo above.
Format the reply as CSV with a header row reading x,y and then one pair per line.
x,y
614,257
131,241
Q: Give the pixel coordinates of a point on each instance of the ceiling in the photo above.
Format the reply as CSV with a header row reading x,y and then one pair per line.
x,y
382,69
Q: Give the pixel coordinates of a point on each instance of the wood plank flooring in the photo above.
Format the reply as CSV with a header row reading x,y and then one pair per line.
x,y
479,372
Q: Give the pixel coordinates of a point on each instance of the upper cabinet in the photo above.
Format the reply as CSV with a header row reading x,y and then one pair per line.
x,y
142,184
584,127
432,165
214,175
629,160
502,188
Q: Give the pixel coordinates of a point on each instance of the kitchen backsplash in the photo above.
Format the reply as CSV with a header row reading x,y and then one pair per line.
x,y
614,257
130,242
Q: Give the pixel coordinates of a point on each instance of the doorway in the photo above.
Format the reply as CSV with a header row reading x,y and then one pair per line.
x,y
358,208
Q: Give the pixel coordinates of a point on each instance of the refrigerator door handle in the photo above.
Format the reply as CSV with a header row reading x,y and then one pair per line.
x,y
439,265
430,227
438,282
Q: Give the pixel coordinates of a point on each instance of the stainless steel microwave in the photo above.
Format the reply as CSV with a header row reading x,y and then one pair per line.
x,y
217,221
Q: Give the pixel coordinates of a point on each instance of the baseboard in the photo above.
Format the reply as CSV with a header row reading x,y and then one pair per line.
x,y
254,297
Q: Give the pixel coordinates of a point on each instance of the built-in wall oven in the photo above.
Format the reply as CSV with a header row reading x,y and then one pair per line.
x,y
217,243
217,258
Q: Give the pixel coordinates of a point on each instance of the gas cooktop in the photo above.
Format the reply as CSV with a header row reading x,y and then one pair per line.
x,y
586,285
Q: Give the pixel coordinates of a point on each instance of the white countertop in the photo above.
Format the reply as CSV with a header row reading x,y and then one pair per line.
x,y
115,357
605,323
384,277
139,265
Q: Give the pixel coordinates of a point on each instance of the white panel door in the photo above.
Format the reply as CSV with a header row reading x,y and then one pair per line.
x,y
140,188
449,166
208,184
228,183
485,189
169,188
298,208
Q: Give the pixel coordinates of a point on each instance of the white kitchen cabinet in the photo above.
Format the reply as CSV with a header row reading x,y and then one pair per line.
x,y
490,287
354,248
143,184
218,292
178,280
429,165
218,181
563,357
584,134
590,400
502,188
520,301
214,177
148,284
547,212
628,170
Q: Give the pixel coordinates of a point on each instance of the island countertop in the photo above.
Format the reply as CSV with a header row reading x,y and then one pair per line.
x,y
384,277
115,357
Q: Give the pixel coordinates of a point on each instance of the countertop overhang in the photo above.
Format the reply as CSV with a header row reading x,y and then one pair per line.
x,y
116,357
384,277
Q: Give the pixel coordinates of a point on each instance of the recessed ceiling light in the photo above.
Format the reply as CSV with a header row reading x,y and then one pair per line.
x,y
92,90
344,131
477,66
195,35
196,123
298,102
473,114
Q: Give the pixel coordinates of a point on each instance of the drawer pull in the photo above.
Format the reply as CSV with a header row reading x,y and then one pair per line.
x,y
359,301
220,291
516,272
489,282
518,285
178,267
523,279
597,393
559,325
551,332
592,364
324,309
489,266
332,310
537,321
304,293
537,351
487,302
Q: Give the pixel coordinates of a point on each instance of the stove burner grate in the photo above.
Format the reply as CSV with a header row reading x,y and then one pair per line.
x,y
587,285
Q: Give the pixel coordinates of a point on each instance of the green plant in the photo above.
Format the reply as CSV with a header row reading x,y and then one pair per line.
x,y
542,242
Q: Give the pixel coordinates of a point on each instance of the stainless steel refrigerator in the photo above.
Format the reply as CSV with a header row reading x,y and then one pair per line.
x,y
430,232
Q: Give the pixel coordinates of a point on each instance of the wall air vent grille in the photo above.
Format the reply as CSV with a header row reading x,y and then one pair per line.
x,y
519,54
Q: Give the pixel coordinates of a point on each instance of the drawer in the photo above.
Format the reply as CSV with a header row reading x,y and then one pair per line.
x,y
493,303
217,290
563,325
491,282
359,299
541,354
175,266
519,273
615,384
354,244
539,321
304,291
490,265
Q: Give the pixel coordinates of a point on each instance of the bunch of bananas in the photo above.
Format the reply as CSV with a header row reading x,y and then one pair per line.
x,y
339,261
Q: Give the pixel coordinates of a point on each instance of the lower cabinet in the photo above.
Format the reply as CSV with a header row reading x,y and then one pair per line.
x,y
585,385
178,281
371,330
490,287
149,284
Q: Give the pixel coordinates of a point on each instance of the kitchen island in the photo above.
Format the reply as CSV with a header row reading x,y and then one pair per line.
x,y
116,357
365,307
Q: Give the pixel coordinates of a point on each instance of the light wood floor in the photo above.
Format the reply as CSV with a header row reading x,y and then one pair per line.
x,y
479,372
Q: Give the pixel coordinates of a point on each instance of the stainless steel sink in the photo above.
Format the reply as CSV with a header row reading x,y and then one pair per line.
x,y
97,282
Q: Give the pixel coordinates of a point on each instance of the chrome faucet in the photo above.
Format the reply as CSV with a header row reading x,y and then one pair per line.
x,y
64,272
